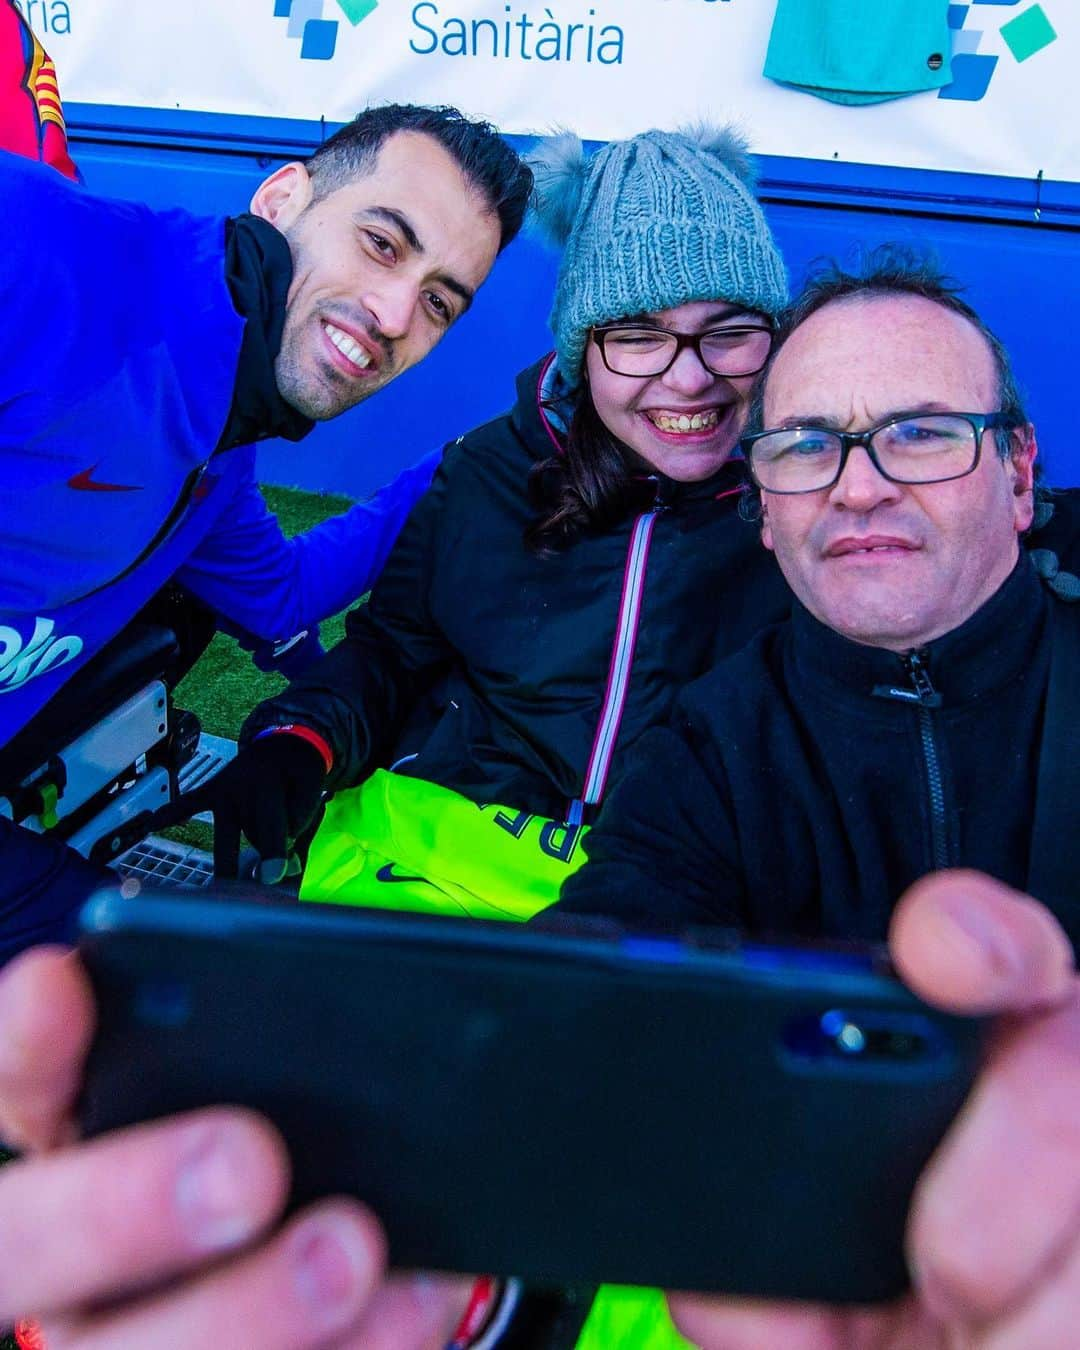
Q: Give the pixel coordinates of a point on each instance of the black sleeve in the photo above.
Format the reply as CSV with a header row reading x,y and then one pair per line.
x,y
360,694
663,852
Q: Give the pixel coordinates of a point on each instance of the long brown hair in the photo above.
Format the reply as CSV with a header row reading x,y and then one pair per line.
x,y
587,487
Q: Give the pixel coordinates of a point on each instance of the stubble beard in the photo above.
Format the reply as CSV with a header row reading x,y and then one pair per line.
x,y
306,392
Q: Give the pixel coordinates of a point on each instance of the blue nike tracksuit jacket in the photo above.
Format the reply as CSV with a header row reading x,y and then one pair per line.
x,y
118,355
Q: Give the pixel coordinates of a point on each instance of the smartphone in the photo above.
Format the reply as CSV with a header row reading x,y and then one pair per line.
x,y
572,1107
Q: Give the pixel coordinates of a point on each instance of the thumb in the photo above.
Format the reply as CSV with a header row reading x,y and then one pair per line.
x,y
971,944
271,870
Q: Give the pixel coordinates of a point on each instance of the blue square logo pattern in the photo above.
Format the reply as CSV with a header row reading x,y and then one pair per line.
x,y
972,71
300,12
320,39
971,77
317,35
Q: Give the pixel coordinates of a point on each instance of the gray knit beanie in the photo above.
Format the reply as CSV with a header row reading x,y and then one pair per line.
x,y
650,223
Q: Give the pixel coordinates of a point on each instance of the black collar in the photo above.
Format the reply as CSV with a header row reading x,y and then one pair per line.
x,y
258,270
991,649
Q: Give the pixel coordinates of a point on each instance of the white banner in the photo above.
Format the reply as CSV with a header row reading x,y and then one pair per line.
x,y
606,68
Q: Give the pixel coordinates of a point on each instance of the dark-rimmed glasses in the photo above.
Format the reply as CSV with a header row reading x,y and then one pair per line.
x,y
926,448
641,351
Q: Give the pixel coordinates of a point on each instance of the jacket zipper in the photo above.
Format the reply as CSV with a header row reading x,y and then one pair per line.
x,y
163,531
621,665
926,697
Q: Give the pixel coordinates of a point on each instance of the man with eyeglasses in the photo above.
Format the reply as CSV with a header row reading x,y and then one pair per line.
x,y
917,712
899,722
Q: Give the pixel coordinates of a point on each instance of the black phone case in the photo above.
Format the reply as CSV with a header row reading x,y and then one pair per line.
x,y
565,1109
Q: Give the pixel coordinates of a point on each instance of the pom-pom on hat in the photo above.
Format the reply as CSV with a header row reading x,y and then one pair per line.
x,y
650,223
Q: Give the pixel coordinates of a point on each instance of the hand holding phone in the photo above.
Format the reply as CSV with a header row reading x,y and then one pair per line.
x,y
698,1114
994,1228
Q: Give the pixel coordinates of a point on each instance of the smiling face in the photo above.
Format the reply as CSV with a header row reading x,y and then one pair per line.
x,y
884,564
381,268
684,423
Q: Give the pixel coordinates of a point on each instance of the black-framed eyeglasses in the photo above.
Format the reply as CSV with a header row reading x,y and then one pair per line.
x,y
926,448
641,351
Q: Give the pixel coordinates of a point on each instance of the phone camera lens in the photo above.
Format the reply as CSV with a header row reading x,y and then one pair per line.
x,y
850,1039
842,1033
867,1040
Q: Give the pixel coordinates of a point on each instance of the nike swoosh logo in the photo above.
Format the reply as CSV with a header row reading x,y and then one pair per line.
x,y
387,873
84,482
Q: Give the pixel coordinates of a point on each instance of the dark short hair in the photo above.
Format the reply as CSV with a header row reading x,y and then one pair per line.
x,y
488,163
894,269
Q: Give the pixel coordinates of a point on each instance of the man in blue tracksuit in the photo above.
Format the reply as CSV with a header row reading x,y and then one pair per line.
x,y
143,352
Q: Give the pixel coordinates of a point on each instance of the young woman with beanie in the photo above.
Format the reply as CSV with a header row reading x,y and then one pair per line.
x,y
574,563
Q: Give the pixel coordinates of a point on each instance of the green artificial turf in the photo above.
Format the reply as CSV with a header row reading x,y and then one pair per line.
x,y
224,685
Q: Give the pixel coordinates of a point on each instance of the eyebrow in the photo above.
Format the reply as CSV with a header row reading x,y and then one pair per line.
x,y
827,423
392,216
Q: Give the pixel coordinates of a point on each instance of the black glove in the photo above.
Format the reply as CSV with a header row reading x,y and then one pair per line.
x,y
271,791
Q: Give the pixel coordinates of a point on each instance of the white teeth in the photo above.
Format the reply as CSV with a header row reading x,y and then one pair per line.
x,y
685,421
348,347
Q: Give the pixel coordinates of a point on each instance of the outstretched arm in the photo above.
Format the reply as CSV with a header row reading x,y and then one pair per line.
x,y
335,723
273,587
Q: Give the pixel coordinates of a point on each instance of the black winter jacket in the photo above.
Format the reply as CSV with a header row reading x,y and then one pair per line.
x,y
805,783
482,667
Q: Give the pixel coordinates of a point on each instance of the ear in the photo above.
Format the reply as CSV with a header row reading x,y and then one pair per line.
x,y
766,528
281,198
1021,469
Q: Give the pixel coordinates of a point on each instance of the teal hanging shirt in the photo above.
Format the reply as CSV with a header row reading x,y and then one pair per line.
x,y
860,51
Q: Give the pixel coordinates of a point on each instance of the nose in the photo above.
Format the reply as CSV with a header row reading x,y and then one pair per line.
x,y
687,375
393,303
861,486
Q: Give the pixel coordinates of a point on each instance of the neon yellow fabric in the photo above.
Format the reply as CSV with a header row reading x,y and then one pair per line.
x,y
400,843
637,1319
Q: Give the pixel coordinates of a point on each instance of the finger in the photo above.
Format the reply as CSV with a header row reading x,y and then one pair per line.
x,y
272,870
88,1222
268,830
47,1015
1000,1201
305,1287
226,844
411,1312
749,1324
1051,1317
969,943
